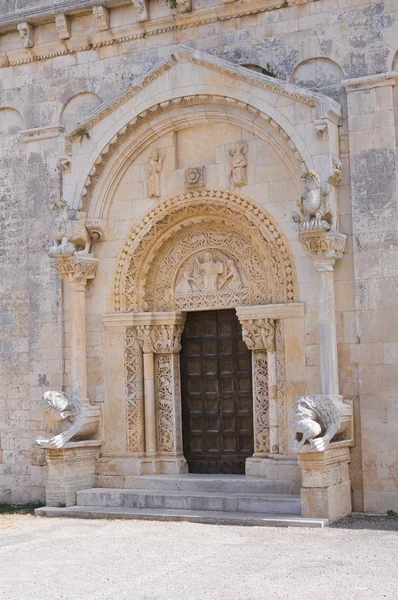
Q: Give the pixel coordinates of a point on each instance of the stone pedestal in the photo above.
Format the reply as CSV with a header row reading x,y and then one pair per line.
x,y
326,488
70,468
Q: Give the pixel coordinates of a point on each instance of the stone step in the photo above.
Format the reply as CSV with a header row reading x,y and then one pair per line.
x,y
210,517
208,483
185,500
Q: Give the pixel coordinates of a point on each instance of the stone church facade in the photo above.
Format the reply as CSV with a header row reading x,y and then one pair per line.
x,y
199,255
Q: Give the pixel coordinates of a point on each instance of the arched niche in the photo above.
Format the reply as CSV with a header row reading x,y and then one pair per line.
x,y
78,107
319,74
249,253
11,121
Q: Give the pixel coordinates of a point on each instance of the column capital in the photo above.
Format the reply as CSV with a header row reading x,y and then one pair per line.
x,y
76,270
324,247
159,339
259,334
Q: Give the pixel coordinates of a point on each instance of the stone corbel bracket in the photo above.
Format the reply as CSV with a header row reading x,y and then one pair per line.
x,y
101,17
96,229
141,7
323,244
26,32
62,25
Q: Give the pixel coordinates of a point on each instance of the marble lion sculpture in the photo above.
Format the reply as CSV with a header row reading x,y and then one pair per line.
x,y
66,421
71,233
317,419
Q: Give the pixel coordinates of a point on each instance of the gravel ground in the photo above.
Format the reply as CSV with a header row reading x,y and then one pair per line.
x,y
141,560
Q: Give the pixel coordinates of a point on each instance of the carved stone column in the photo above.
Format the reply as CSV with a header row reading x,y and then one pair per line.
x,y
76,270
159,335
325,248
259,336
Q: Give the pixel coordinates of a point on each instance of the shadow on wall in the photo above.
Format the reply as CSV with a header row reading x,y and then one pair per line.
x,y
11,121
78,108
319,75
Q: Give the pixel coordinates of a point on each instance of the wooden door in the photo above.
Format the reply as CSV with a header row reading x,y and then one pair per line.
x,y
217,406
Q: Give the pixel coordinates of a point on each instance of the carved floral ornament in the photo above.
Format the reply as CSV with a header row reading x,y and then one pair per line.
x,y
201,249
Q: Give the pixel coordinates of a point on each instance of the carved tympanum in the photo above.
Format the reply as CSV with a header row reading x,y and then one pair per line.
x,y
209,271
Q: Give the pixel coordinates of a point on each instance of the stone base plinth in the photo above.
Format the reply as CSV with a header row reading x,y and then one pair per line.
x,y
70,469
276,468
326,487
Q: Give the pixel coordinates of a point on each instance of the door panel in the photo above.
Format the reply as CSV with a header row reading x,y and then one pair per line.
x,y
216,393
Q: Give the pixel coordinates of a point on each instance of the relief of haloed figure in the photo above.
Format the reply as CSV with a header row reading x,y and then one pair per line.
x,y
210,271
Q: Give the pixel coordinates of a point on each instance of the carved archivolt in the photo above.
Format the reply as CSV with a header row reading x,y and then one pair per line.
x,y
172,251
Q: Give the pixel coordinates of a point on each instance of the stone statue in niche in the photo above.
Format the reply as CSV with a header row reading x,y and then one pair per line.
x,y
71,235
67,420
313,206
318,419
154,169
237,164
210,271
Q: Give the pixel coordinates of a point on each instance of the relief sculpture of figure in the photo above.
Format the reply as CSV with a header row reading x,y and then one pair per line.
x,y
233,279
184,284
210,270
237,164
155,167
71,232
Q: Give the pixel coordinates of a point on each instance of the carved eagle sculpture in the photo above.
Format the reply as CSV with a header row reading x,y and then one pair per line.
x,y
315,415
312,205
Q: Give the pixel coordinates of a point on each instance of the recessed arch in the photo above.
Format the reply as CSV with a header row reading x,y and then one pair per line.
x,y
78,107
11,120
144,128
319,74
222,221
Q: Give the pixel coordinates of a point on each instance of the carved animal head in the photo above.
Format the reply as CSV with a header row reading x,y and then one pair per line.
x,y
57,409
311,179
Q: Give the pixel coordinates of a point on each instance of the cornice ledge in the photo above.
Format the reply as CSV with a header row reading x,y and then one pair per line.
x,y
133,319
371,81
41,133
293,310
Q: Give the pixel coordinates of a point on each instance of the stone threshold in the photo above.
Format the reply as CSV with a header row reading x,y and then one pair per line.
x,y
205,517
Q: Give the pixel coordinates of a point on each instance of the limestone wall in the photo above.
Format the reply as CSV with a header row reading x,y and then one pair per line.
x,y
57,82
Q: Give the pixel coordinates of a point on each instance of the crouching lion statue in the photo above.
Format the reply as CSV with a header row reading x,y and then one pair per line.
x,y
67,421
318,419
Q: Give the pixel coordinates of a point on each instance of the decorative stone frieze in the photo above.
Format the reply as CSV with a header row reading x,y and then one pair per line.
x,y
194,177
26,32
142,9
62,25
101,17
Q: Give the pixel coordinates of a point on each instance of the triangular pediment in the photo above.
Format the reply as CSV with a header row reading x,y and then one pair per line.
x,y
203,60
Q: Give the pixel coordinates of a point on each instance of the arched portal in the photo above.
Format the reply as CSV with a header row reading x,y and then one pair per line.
x,y
204,250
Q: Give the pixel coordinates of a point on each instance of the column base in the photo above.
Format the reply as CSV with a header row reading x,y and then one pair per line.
x,y
326,486
69,469
277,468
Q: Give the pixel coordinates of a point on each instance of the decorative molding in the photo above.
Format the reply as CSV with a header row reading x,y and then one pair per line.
x,y
41,133
62,25
194,177
181,102
370,81
260,403
101,17
291,310
26,33
134,394
137,286
281,388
